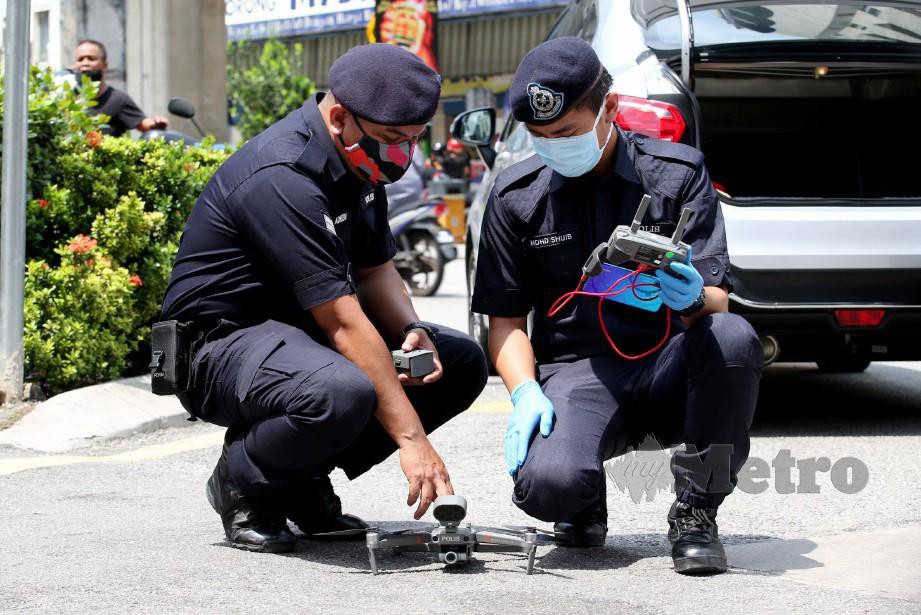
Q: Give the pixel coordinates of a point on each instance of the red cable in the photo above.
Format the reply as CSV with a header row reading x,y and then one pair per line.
x,y
565,298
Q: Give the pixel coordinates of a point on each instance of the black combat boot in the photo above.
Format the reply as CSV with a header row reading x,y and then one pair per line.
x,y
696,547
589,528
254,524
315,508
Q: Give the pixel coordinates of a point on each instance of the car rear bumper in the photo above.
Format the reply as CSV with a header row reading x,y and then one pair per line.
x,y
792,235
807,333
806,288
795,262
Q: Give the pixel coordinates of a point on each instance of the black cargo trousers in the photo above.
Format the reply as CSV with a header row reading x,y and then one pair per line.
x,y
294,407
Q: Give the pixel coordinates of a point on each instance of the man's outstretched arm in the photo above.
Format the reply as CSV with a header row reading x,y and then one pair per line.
x,y
356,338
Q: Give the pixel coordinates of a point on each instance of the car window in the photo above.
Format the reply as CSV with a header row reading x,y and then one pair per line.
x,y
763,23
567,23
579,19
510,125
589,22
519,139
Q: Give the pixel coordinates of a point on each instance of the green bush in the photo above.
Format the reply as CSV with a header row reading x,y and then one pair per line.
x,y
79,316
104,216
269,90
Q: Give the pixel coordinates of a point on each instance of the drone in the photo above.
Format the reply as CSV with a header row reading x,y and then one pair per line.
x,y
454,543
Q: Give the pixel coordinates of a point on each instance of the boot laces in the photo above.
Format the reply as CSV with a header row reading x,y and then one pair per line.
x,y
697,521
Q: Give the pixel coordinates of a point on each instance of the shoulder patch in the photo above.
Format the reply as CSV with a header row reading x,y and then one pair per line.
x,y
519,173
667,149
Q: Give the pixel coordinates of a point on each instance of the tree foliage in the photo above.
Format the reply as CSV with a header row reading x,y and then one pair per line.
x,y
269,89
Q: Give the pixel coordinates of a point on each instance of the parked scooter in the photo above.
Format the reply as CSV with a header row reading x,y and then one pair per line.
x,y
423,246
183,108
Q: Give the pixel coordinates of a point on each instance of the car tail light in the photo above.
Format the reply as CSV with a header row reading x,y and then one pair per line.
x,y
859,318
650,117
439,209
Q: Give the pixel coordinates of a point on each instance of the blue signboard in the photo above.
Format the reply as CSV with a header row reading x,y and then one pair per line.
x,y
254,19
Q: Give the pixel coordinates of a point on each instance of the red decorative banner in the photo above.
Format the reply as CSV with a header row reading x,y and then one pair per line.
x,y
408,23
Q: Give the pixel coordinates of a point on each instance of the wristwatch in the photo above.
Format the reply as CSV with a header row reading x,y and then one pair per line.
x,y
697,306
429,329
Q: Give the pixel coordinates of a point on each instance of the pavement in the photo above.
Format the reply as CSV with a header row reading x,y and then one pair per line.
x,y
82,417
831,552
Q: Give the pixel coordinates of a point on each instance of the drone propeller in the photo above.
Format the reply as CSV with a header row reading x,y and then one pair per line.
x,y
524,529
361,532
355,531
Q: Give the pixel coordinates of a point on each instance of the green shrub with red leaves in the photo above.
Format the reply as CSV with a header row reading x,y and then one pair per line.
x,y
104,216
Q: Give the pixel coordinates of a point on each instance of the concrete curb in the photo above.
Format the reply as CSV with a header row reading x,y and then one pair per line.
x,y
86,416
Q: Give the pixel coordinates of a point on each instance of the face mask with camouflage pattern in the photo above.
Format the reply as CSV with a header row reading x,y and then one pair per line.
x,y
380,163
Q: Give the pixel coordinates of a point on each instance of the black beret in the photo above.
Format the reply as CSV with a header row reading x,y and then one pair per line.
x,y
386,84
552,78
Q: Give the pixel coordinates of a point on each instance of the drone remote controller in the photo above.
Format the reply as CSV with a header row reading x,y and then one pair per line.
x,y
630,243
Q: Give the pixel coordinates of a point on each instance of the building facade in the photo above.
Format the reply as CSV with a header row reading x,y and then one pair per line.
x,y
157,49
479,42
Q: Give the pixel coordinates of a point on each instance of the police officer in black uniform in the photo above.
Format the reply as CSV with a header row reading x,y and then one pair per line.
x,y
588,401
285,273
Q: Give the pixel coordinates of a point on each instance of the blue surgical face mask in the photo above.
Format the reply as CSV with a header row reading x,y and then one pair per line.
x,y
572,156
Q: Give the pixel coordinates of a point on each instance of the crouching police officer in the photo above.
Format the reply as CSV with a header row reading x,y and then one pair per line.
x,y
284,272
609,375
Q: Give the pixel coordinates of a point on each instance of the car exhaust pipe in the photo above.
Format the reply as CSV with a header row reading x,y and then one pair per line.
x,y
771,348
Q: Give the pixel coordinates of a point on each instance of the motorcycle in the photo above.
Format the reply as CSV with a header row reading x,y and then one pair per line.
x,y
423,246
180,107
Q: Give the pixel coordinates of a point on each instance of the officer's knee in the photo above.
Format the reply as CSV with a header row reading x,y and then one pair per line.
x,y
556,491
468,365
341,403
728,337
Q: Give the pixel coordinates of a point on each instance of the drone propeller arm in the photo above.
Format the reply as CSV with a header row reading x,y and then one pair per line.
x,y
487,541
405,541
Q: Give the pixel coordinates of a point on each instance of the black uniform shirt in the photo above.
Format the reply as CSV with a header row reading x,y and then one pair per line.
x,y
123,113
277,230
539,227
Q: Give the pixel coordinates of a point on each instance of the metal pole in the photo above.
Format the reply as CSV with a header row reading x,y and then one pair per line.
x,y
13,201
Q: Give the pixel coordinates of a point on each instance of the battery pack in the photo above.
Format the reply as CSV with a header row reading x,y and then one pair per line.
x,y
414,363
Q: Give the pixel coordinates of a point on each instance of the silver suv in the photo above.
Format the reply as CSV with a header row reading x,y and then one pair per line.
x,y
806,112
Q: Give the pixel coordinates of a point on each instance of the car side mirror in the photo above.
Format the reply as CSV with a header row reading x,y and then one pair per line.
x,y
181,107
477,127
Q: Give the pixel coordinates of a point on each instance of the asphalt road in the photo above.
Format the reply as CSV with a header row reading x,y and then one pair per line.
x,y
126,527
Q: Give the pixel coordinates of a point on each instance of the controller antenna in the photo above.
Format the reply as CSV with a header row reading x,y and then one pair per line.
x,y
640,213
682,223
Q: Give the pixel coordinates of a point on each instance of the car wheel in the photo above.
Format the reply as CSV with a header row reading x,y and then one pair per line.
x,y
843,365
477,323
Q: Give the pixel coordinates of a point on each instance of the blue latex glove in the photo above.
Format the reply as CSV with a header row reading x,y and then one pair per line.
x,y
531,408
679,293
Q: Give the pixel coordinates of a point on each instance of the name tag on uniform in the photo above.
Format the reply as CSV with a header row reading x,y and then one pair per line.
x,y
342,218
552,239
